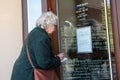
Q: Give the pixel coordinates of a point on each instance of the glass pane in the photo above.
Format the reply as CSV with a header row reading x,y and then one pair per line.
x,y
83,39
34,11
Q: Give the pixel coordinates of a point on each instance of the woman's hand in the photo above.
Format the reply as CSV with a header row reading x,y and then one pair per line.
x,y
61,56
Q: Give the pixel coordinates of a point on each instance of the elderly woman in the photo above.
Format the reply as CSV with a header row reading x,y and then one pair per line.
x,y
39,46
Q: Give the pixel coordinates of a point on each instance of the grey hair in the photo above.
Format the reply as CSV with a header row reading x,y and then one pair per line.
x,y
46,18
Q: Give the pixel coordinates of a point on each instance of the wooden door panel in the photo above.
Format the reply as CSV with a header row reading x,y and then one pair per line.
x,y
50,5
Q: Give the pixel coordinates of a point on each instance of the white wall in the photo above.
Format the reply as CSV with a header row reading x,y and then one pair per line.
x,y
10,35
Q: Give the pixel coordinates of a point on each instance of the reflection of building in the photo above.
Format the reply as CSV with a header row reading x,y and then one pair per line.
x,y
86,64
88,13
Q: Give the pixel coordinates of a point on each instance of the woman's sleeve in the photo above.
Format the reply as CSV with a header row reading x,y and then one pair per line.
x,y
44,55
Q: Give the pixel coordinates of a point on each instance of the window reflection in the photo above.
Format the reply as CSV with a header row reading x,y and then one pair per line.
x,y
92,65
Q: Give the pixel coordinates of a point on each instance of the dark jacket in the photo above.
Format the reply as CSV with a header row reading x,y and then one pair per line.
x,y
41,53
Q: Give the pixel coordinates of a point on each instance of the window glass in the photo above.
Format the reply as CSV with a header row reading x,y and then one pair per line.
x,y
84,38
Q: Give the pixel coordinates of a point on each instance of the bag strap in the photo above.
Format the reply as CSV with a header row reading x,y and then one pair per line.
x,y
28,54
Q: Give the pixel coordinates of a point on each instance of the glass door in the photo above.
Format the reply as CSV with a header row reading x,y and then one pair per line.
x,y
85,36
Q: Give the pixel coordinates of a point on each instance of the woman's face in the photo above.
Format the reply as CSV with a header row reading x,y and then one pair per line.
x,y
50,28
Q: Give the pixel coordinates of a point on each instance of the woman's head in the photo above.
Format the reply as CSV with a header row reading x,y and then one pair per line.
x,y
46,19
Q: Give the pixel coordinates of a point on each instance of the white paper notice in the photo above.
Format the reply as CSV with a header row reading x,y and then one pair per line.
x,y
84,41
64,59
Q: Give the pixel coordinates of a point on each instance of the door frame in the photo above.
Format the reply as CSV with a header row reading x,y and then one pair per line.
x,y
115,11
